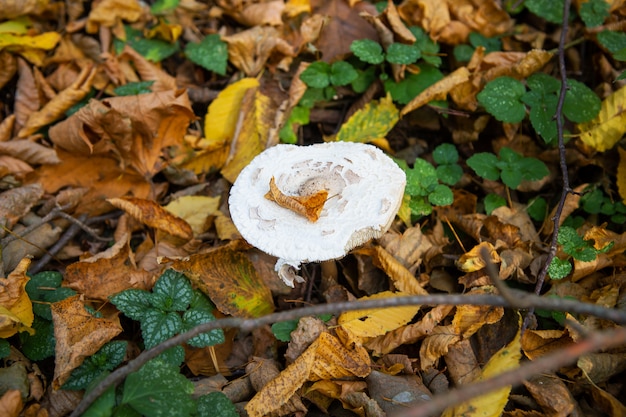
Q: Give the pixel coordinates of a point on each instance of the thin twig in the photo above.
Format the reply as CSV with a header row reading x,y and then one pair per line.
x,y
551,362
54,213
523,300
563,163
54,249
91,232
492,271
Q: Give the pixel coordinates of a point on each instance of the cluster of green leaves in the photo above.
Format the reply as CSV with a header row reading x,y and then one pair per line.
x,y
575,247
506,99
511,167
43,289
464,52
427,186
210,53
172,307
595,201
593,12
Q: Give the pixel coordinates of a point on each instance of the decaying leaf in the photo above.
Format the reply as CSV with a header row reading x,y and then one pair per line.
x,y
16,309
371,123
438,90
472,261
469,319
16,203
309,206
603,132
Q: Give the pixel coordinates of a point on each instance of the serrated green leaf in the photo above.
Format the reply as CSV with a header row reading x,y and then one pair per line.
x,y
413,84
40,345
420,206
490,44
399,53
133,303
449,174
151,49
543,83
299,117
551,10
429,49
316,75
201,302
538,209
492,202
368,51
134,88
282,330
192,318
342,73
216,404
173,356
364,80
511,176
559,268
157,326
485,165
172,292
502,99
441,196
370,123
159,390
106,359
211,54
421,178
584,254
446,153
533,169
581,103
542,111
612,40
463,52
594,12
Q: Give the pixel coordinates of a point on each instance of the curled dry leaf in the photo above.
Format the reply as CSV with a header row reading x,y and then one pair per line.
x,y
27,99
29,151
250,49
153,215
107,13
309,206
8,67
10,9
472,261
469,319
438,90
260,14
16,202
149,71
78,335
16,309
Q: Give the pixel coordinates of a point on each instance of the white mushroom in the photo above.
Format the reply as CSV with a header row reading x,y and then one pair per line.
x,y
365,189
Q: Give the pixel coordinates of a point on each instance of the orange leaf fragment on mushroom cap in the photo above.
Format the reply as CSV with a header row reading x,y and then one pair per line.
x,y
309,206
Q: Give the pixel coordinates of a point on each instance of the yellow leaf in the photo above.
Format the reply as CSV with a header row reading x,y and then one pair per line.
x,y
30,47
372,122
603,132
472,261
376,322
438,90
492,404
221,118
16,310
469,319
621,174
194,209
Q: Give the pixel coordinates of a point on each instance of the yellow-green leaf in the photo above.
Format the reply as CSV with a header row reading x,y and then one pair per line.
x,y
603,132
371,123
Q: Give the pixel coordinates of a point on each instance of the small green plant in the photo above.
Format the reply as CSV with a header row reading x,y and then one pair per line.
x,y
464,52
211,54
506,99
511,167
492,202
551,10
171,308
134,88
99,364
154,50
575,247
595,201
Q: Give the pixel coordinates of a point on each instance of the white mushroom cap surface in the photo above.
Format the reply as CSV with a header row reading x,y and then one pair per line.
x,y
365,189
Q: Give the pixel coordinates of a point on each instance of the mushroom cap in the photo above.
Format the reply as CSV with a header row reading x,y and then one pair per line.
x,y
365,189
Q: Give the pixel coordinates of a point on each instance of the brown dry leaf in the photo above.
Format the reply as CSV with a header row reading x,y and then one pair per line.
x,y
6,127
230,280
551,394
196,210
436,345
412,248
469,319
16,310
484,16
16,202
8,67
259,14
149,71
30,152
153,215
250,49
78,335
326,358
438,90
261,372
571,203
32,244
472,261
600,367
309,206
108,13
10,9
408,334
607,403
403,280
27,99
56,108
536,343
395,23
107,273
344,25
462,362
432,15
11,403
518,216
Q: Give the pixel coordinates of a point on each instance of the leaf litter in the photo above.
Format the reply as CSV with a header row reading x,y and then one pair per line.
x,y
124,127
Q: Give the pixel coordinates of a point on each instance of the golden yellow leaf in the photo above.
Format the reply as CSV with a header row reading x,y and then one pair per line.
x,y
30,47
469,319
603,132
109,12
437,91
221,118
376,322
151,214
16,310
437,344
326,358
309,206
621,174
472,261
371,123
403,280
492,404
195,209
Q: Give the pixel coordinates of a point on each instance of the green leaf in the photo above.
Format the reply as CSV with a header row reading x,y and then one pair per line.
x,y
463,52
542,111
511,176
40,345
492,202
551,10
173,356
559,268
103,406
133,303
446,153
316,75
543,83
429,49
161,6
342,73
106,359
172,292
201,302
484,164
399,53
413,84
490,44
211,54
216,404
364,79
441,196
299,117
581,103
45,288
282,329
134,88
368,51
533,169
502,99
420,206
594,12
151,49
157,326
371,122
612,40
192,318
449,174
5,348
538,209
159,390
420,179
